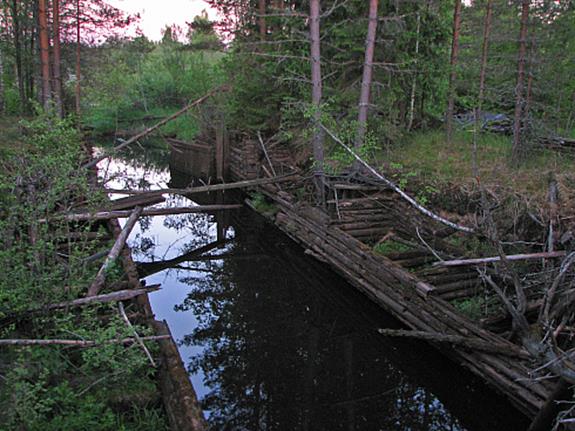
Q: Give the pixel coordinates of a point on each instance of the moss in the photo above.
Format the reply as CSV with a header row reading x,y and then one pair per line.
x,y
390,246
262,205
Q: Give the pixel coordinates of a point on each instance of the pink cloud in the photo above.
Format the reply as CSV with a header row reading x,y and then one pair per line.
x,y
155,15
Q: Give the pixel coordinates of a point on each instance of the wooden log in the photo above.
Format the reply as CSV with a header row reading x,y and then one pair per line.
x,y
132,201
100,279
473,343
479,261
121,295
79,343
210,188
558,400
461,293
149,130
107,215
438,315
458,285
180,399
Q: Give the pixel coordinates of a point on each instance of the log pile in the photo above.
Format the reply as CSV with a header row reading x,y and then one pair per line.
x,y
249,160
403,294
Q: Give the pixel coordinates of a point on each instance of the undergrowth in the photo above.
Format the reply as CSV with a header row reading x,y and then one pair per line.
x,y
59,387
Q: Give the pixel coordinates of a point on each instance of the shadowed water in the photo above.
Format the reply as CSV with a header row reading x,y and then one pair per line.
x,y
276,341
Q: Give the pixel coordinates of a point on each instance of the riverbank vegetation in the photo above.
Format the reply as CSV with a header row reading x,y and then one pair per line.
x,y
61,387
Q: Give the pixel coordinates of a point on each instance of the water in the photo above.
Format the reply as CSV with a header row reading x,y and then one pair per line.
x,y
276,341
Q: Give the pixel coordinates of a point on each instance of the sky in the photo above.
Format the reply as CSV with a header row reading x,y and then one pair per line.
x,y
155,15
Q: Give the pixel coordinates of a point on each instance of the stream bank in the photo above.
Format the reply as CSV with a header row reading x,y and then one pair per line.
x,y
275,340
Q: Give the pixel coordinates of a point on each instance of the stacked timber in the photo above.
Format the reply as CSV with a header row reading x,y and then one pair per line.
x,y
244,160
411,301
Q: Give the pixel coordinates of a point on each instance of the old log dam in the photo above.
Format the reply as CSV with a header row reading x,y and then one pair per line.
x,y
401,282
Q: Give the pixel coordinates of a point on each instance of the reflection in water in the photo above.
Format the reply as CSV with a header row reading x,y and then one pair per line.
x,y
276,341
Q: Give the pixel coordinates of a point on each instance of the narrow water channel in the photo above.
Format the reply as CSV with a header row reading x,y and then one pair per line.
x,y
274,340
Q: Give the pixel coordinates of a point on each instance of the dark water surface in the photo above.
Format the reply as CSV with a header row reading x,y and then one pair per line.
x,y
276,341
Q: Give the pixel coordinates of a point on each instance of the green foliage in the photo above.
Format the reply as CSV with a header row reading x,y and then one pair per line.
x,y
141,80
262,205
471,307
58,388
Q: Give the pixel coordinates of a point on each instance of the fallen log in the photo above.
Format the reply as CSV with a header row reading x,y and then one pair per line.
x,y
482,260
121,295
397,189
114,252
131,202
107,215
207,189
180,399
473,343
149,130
79,343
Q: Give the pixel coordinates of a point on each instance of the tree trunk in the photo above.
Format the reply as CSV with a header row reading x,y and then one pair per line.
x,y
367,73
57,58
519,88
1,82
482,75
44,53
453,71
318,135
262,19
78,69
414,81
16,28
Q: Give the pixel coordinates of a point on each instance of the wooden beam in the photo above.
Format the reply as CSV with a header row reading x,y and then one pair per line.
x,y
207,189
107,215
100,279
482,260
79,343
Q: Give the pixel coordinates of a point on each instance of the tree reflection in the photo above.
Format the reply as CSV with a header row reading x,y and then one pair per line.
x,y
281,352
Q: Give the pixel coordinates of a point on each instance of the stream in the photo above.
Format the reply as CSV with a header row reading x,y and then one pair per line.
x,y
275,340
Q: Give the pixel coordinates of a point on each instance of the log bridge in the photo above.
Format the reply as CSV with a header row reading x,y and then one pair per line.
x,y
402,283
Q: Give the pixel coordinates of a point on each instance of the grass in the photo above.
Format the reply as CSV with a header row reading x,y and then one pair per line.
x,y
428,157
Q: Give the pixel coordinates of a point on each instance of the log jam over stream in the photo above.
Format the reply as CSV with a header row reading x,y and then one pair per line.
x,y
274,340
